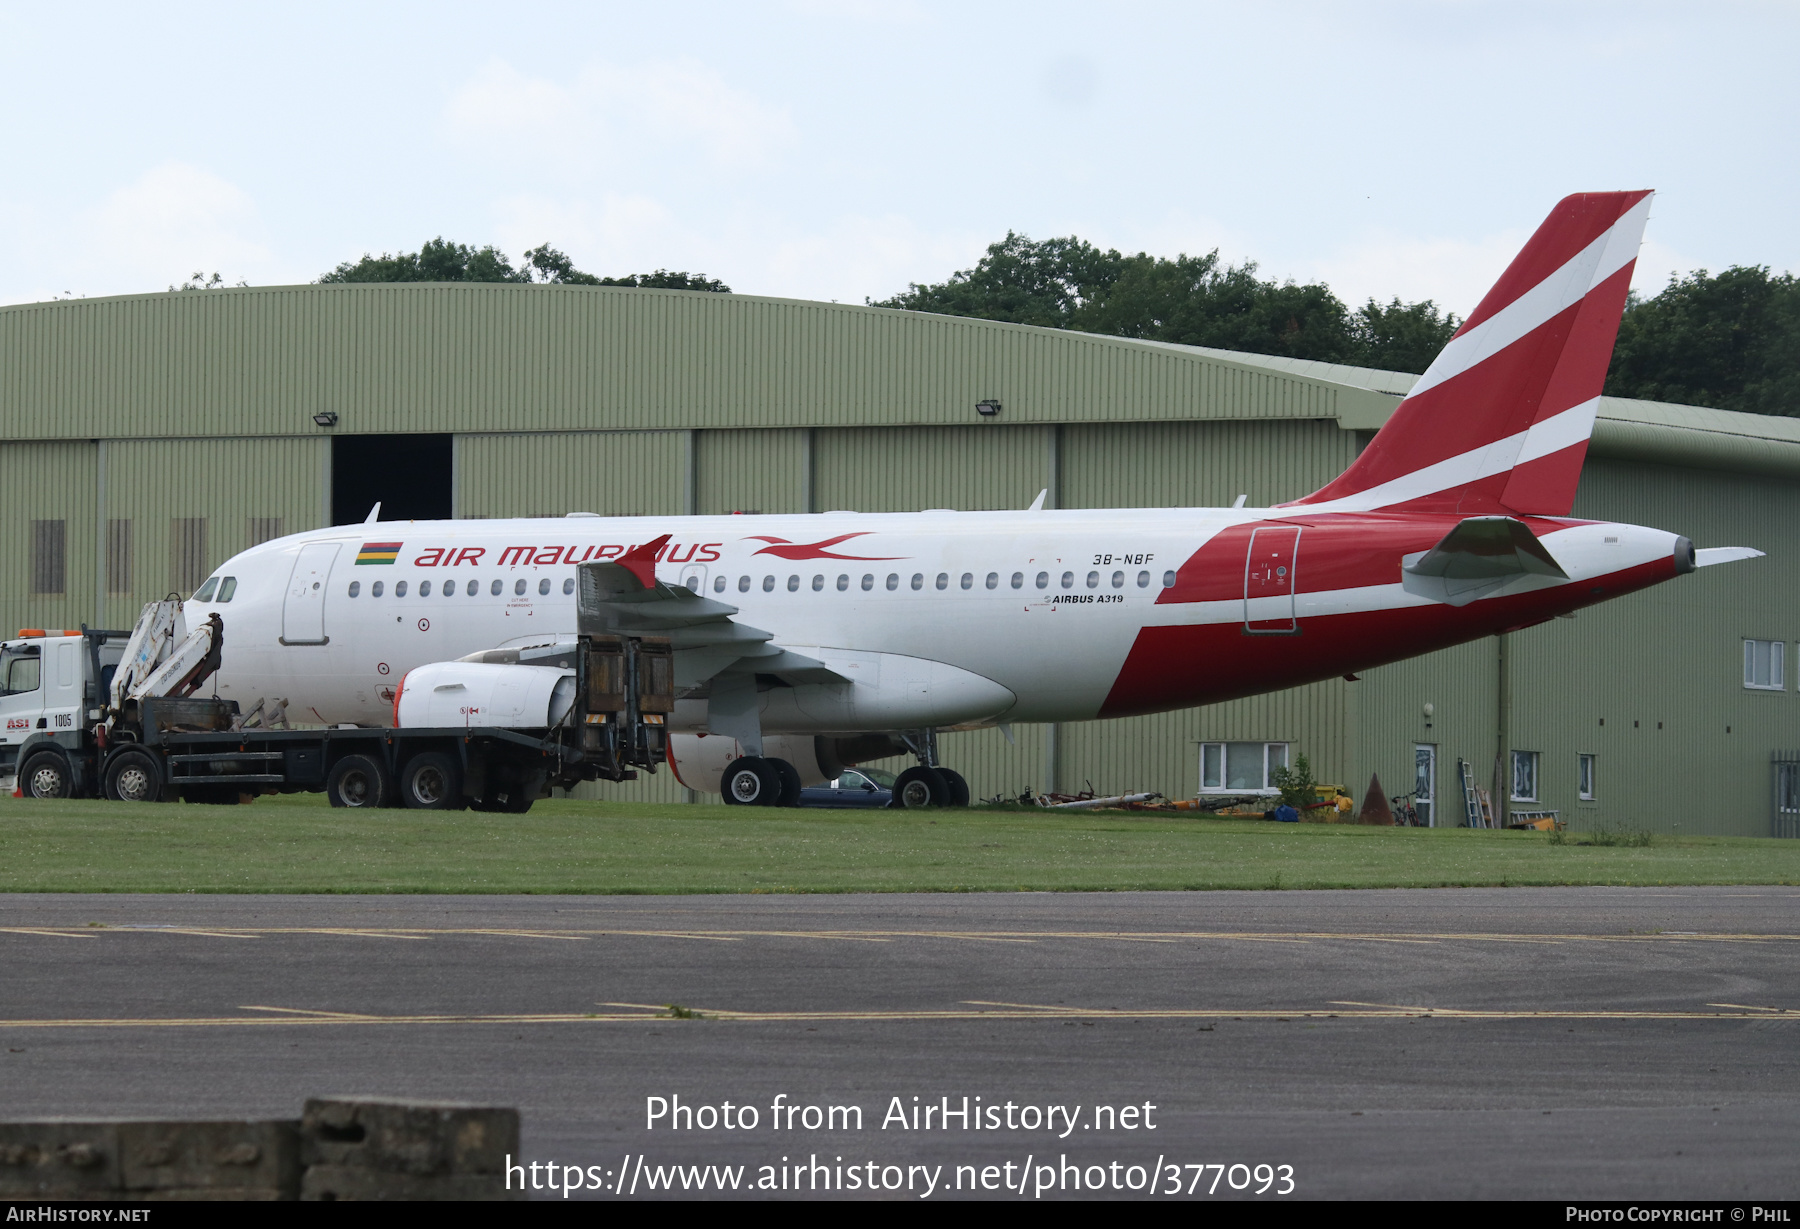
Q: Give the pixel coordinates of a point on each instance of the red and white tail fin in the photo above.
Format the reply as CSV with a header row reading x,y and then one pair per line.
x,y
1500,421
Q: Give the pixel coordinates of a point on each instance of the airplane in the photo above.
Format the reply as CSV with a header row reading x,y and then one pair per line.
x,y
806,643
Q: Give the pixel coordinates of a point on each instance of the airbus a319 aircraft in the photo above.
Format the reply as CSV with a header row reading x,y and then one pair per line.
x,y
805,643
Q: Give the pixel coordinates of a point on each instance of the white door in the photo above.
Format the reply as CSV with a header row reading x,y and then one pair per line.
x,y
1425,783
303,613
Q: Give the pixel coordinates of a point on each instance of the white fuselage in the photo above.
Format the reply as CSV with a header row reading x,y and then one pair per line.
x,y
1046,604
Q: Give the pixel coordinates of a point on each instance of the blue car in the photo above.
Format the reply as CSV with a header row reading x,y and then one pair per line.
x,y
858,787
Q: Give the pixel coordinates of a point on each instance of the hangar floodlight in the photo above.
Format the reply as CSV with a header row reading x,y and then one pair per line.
x,y
326,418
988,408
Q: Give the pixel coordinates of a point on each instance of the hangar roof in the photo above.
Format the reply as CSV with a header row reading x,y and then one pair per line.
x,y
506,358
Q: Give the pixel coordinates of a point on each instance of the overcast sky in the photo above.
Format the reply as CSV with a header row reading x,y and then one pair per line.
x,y
837,149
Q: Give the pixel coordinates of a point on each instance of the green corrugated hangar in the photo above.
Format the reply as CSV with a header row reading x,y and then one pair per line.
x,y
146,438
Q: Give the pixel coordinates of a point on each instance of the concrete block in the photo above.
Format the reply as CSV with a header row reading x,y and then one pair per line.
x,y
59,1160
227,1160
348,1182
377,1148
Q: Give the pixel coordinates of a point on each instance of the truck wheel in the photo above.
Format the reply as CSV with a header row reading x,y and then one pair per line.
x,y
750,781
432,782
959,788
46,775
358,781
133,776
920,786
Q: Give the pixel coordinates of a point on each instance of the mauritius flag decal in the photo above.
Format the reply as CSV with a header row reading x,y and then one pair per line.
x,y
378,552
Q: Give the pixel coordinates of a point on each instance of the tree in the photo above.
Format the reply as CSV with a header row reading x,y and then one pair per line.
x,y
436,261
440,261
1193,300
200,281
1399,336
1730,341
663,279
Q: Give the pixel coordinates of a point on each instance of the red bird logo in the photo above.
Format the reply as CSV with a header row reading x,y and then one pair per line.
x,y
784,549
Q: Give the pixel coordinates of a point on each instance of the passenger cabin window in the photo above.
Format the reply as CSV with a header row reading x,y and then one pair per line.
x,y
424,588
355,588
718,584
205,592
399,588
19,671
569,585
374,589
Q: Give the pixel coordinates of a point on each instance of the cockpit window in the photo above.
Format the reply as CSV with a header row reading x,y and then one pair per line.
x,y
18,671
205,592
227,587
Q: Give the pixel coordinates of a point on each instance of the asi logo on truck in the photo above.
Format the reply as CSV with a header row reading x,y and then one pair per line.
x,y
18,723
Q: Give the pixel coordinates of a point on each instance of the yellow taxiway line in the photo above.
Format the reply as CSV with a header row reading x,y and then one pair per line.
x,y
971,1010
888,936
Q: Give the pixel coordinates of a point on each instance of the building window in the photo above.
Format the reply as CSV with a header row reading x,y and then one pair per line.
x,y
48,558
1584,778
1240,768
1764,668
1524,776
118,556
187,553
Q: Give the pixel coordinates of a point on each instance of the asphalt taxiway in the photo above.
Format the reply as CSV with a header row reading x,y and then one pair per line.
x,y
1545,1043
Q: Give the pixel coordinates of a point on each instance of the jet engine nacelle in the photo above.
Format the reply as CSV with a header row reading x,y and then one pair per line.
x,y
699,760
452,693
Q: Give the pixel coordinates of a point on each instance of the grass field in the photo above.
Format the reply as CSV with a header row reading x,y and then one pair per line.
x,y
298,844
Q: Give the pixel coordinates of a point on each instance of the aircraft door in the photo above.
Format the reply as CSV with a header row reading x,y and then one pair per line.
x,y
303,609
693,576
1269,581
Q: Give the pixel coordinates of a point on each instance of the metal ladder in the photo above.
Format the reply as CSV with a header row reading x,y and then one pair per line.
x,y
1472,808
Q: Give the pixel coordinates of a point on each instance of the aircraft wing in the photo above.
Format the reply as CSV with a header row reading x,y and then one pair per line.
x,y
622,597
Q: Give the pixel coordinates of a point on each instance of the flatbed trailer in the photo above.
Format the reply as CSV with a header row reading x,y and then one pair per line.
x,y
62,739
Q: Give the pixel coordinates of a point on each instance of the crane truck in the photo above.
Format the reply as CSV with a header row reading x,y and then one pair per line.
x,y
120,715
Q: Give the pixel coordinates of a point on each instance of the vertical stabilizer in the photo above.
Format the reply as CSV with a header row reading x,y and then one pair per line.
x,y
1500,421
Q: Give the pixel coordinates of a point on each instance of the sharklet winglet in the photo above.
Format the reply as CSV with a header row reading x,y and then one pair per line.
x,y
640,561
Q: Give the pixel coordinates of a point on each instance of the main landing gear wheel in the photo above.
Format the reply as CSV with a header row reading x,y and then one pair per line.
x,y
359,781
959,788
432,781
46,775
751,781
920,787
790,783
132,776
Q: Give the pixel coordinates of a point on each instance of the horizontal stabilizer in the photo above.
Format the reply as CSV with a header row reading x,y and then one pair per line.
x,y
1478,558
1724,554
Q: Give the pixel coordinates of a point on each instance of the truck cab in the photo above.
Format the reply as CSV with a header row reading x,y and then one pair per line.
x,y
47,681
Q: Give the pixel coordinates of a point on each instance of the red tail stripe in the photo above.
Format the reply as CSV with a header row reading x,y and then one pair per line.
x,y
1575,222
